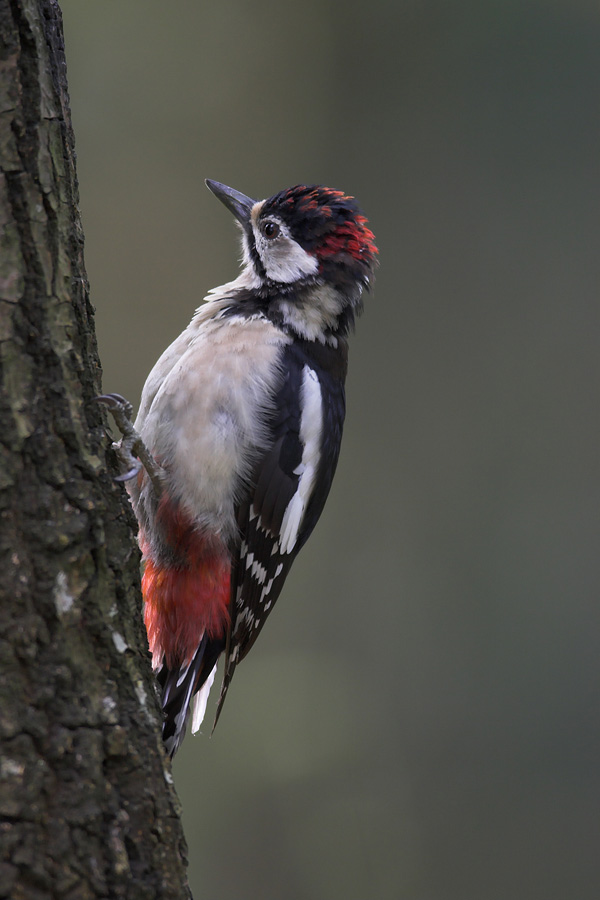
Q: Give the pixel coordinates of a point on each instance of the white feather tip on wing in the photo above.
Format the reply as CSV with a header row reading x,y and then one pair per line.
x,y
200,700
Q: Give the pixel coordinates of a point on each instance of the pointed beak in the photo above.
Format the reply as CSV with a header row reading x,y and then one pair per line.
x,y
236,203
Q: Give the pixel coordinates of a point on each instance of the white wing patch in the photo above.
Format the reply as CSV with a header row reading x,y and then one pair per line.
x,y
311,426
200,700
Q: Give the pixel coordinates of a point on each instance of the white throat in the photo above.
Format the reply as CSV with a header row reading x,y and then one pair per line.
x,y
313,313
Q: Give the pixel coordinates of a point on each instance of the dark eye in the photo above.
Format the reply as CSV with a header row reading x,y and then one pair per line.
x,y
270,230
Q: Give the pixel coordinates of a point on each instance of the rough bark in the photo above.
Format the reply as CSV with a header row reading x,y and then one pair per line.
x,y
86,800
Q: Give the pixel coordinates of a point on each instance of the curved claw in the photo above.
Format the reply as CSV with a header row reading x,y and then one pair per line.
x,y
115,401
111,399
127,476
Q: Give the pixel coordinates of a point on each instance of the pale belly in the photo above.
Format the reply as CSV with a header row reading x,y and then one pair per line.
x,y
206,421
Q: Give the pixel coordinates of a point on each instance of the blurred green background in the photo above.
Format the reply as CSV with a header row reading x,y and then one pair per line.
x,y
420,718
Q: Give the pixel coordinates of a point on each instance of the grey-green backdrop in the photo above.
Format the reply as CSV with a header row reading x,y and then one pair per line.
x,y
420,718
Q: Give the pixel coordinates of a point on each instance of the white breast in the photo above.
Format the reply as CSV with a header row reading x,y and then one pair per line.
x,y
203,412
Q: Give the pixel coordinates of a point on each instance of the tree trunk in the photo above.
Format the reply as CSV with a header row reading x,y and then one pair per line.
x,y
86,800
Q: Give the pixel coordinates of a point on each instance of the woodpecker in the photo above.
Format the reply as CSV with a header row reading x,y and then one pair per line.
x,y
243,417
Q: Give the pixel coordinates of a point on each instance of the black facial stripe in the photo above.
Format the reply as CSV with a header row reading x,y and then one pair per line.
x,y
255,255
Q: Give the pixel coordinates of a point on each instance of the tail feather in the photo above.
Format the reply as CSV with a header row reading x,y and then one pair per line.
x,y
178,688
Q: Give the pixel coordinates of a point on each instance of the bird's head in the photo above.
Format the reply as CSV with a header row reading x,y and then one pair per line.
x,y
309,252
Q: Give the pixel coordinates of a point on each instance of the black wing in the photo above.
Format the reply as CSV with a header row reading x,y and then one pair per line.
x,y
289,487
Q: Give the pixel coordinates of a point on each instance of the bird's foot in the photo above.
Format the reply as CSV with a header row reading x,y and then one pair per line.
x,y
131,449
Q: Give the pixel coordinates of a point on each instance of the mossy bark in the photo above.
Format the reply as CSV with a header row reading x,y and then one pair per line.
x,y
86,803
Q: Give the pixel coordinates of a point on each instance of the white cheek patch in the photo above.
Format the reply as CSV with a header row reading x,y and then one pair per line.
x,y
288,262
283,258
311,426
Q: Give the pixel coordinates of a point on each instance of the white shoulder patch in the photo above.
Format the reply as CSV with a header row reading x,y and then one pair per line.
x,y
311,425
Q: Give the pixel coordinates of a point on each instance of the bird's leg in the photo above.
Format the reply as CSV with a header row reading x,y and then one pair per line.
x,y
131,449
